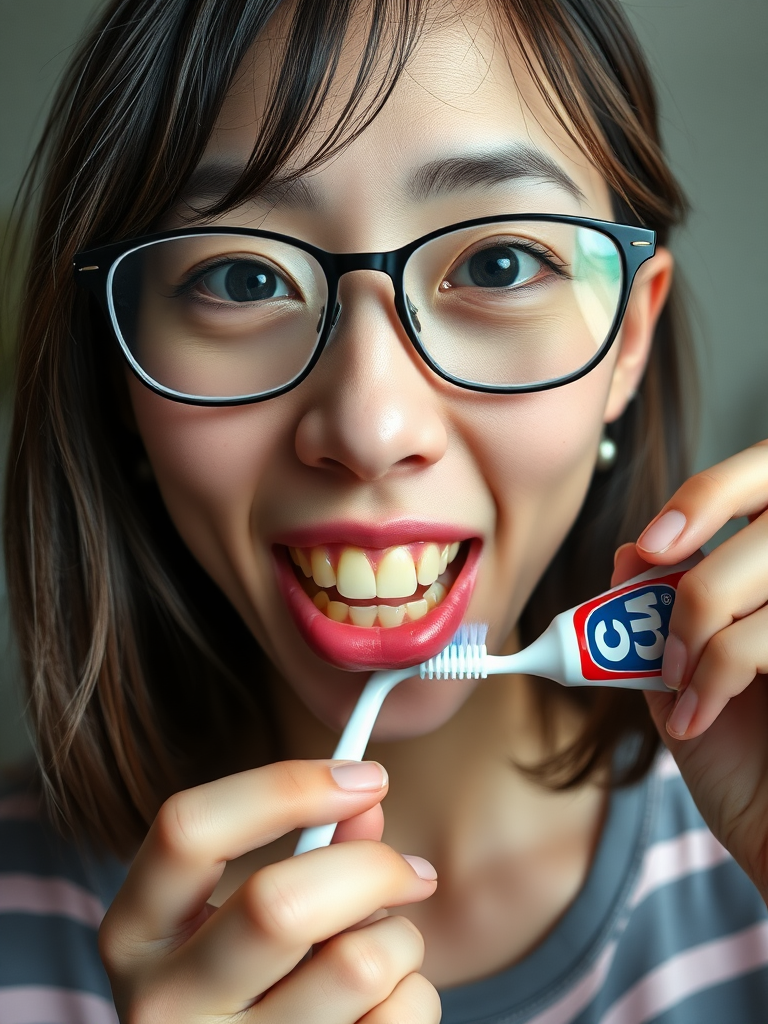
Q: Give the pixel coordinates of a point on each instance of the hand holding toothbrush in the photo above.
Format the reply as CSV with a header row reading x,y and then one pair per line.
x,y
716,657
173,956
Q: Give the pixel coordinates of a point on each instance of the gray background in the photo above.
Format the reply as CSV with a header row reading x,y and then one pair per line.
x,y
711,65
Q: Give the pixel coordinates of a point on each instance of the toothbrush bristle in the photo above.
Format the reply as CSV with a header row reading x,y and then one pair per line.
x,y
470,634
463,658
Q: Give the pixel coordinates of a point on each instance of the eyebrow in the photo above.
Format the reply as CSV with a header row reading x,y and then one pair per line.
x,y
212,180
463,173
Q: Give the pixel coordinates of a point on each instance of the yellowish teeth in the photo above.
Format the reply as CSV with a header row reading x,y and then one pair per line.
x,y
435,594
417,609
443,560
354,575
338,611
322,570
303,562
363,616
429,565
396,575
391,615
385,615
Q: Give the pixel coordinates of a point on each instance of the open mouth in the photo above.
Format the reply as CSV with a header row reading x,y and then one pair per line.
x,y
367,607
384,588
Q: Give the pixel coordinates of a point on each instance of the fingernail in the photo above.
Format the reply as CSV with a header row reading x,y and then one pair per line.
x,y
660,534
682,712
673,665
422,867
359,776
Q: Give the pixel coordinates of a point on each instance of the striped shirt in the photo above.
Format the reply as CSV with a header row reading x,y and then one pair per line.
x,y
667,929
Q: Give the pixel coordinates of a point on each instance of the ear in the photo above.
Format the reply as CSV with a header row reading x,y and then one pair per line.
x,y
646,301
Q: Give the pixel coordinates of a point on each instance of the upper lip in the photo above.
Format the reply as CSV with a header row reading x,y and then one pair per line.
x,y
370,535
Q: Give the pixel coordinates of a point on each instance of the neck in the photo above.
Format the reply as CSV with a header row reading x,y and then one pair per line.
x,y
510,854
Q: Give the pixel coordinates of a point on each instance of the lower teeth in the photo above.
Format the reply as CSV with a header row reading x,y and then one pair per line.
x,y
385,615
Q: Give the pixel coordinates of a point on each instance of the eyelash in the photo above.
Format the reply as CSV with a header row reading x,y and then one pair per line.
x,y
535,249
185,286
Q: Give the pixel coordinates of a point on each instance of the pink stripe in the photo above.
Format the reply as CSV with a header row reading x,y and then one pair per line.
x,y
581,995
688,973
29,894
35,1004
18,807
672,859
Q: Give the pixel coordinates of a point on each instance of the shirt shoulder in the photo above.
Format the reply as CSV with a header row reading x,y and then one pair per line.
x,y
691,945
667,929
52,899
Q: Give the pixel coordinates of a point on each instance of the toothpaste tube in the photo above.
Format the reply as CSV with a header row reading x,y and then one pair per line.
x,y
616,639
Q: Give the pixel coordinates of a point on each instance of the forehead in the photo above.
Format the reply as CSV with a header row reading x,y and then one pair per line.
x,y
465,117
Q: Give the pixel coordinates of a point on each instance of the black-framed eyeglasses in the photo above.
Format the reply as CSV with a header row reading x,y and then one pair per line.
x,y
226,316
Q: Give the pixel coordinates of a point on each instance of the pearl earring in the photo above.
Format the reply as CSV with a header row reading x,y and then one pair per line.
x,y
606,454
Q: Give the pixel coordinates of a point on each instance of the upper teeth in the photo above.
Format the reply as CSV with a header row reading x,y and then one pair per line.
x,y
396,575
354,575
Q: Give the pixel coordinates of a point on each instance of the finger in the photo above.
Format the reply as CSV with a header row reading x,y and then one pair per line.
x,y
265,928
367,825
377,915
351,974
706,502
198,830
414,1001
627,563
728,665
730,583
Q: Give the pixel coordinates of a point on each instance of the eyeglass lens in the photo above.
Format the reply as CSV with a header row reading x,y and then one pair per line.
x,y
499,304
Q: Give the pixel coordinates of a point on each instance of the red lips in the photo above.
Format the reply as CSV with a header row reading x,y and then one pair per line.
x,y
358,648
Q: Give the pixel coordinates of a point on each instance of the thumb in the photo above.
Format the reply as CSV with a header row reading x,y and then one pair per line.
x,y
627,563
366,825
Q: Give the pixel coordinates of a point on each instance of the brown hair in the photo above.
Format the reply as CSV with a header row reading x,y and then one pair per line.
x,y
141,676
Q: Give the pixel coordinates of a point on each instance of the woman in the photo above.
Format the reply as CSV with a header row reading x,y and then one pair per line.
x,y
225,432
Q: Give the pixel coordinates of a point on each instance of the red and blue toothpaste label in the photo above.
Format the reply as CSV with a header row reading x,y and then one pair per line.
x,y
623,633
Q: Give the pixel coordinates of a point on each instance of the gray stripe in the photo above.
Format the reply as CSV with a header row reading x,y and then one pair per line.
x,y
741,1001
700,908
30,848
38,950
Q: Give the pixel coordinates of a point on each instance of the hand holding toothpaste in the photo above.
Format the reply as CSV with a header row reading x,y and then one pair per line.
x,y
717,651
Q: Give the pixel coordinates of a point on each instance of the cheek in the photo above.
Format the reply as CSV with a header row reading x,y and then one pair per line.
x,y
210,465
545,442
538,454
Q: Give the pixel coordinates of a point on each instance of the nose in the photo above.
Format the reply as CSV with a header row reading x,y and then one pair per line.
x,y
373,406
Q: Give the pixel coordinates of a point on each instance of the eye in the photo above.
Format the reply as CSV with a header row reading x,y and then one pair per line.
x,y
496,266
244,281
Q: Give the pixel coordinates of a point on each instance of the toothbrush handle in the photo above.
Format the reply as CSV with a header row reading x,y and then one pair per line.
x,y
353,741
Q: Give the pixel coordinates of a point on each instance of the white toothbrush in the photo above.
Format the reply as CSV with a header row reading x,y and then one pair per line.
x,y
598,643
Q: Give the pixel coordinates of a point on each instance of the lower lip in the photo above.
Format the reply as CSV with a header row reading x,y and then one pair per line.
x,y
357,648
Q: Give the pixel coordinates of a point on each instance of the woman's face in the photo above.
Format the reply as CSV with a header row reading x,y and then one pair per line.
x,y
373,466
